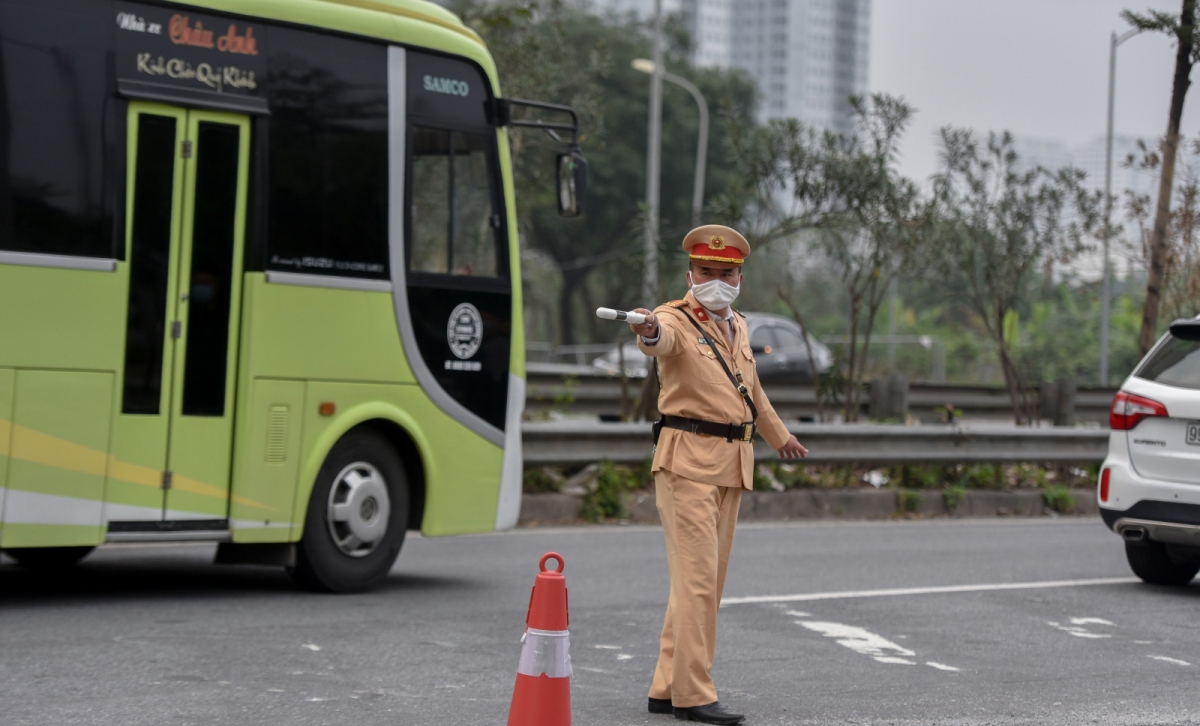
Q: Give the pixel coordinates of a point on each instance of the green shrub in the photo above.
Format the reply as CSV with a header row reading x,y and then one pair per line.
x,y
565,398
954,496
917,476
762,483
908,500
1059,499
605,502
538,481
1031,475
980,476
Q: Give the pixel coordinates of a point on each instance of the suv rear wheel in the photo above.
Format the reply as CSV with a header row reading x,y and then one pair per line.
x,y
357,516
1151,562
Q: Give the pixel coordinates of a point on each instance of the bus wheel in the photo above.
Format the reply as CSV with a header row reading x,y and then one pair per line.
x,y
357,516
48,558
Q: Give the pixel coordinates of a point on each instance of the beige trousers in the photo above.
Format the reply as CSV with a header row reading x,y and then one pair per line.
x,y
698,522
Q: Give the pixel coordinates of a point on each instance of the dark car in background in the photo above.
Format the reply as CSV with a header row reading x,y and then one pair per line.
x,y
777,343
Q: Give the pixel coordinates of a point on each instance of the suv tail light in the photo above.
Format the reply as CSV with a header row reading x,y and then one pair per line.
x,y
1105,476
1128,410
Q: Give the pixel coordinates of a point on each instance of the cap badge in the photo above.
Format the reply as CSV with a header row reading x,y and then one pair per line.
x,y
716,243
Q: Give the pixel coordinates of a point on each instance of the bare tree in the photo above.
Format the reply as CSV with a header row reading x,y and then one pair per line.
x,y
996,224
841,194
1183,31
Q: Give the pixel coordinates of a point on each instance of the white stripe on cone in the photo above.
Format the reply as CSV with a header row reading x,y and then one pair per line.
x,y
546,651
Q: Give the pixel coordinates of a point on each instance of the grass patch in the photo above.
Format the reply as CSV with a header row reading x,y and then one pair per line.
x,y
541,481
605,502
954,496
1059,499
908,501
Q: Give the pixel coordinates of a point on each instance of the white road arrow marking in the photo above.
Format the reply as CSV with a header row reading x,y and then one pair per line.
x,y
863,641
1079,631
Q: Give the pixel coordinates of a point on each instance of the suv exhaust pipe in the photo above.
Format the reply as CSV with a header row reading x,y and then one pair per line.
x,y
1133,534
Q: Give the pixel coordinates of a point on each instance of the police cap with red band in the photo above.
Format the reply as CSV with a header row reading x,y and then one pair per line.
x,y
716,243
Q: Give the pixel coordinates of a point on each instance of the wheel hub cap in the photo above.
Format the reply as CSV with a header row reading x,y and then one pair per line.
x,y
359,508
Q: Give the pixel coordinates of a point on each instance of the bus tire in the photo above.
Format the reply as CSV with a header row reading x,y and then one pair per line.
x,y
48,558
357,516
1153,564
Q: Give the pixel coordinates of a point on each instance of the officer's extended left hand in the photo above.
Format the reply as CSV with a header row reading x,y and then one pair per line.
x,y
793,450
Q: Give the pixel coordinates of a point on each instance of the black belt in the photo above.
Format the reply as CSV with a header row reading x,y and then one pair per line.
x,y
729,432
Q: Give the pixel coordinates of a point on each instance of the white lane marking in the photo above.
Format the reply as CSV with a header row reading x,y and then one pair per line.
x,y
860,640
797,614
624,656
311,646
607,647
1143,642
1165,659
942,666
1091,621
894,659
850,594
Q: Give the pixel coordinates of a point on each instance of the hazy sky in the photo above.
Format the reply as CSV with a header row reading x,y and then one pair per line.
x,y
1038,68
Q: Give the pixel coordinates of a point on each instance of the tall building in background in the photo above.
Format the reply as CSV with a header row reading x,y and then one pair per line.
x,y
807,56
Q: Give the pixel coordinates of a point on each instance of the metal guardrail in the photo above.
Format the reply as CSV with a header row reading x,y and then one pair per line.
x,y
583,389
564,443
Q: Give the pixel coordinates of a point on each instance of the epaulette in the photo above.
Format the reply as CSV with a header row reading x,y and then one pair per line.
x,y
677,304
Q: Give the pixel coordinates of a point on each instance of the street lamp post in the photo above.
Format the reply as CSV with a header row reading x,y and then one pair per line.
x,y
647,66
1106,291
653,164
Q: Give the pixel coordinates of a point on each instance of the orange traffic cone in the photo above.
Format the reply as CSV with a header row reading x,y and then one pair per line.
x,y
542,696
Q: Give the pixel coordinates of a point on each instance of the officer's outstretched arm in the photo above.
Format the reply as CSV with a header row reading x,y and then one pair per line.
x,y
659,335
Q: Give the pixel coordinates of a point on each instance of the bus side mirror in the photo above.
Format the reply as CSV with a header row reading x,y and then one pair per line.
x,y
572,183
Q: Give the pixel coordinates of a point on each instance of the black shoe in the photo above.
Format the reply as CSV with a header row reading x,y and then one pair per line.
x,y
710,713
659,705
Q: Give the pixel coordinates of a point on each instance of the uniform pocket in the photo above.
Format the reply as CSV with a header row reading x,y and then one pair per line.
x,y
706,365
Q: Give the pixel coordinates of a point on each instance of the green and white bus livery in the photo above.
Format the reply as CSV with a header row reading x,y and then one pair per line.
x,y
259,281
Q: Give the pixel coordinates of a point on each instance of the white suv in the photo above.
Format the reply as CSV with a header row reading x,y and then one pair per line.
x,y
1150,484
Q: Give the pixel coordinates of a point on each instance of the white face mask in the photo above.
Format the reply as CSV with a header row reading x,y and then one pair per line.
x,y
714,294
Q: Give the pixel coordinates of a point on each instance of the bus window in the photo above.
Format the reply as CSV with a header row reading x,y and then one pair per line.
x,y
454,221
327,212
153,196
55,128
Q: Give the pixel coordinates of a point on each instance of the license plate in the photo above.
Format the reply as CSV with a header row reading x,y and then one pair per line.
x,y
1193,433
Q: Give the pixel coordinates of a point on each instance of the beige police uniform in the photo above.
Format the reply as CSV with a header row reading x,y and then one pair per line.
x,y
698,482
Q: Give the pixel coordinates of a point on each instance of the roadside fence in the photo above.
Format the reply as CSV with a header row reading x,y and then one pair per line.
x,y
575,388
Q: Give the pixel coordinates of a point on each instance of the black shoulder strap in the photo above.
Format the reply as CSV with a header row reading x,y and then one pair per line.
x,y
741,387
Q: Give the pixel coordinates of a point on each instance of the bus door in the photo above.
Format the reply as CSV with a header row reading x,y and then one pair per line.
x,y
187,220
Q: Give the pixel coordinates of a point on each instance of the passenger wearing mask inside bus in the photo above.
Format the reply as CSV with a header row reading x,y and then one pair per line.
x,y
712,406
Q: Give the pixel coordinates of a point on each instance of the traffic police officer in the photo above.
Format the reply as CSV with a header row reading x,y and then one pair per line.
x,y
703,460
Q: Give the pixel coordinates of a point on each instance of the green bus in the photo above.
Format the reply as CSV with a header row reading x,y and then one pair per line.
x,y
259,280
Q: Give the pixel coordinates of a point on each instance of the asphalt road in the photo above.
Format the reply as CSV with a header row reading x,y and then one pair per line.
x,y
158,636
